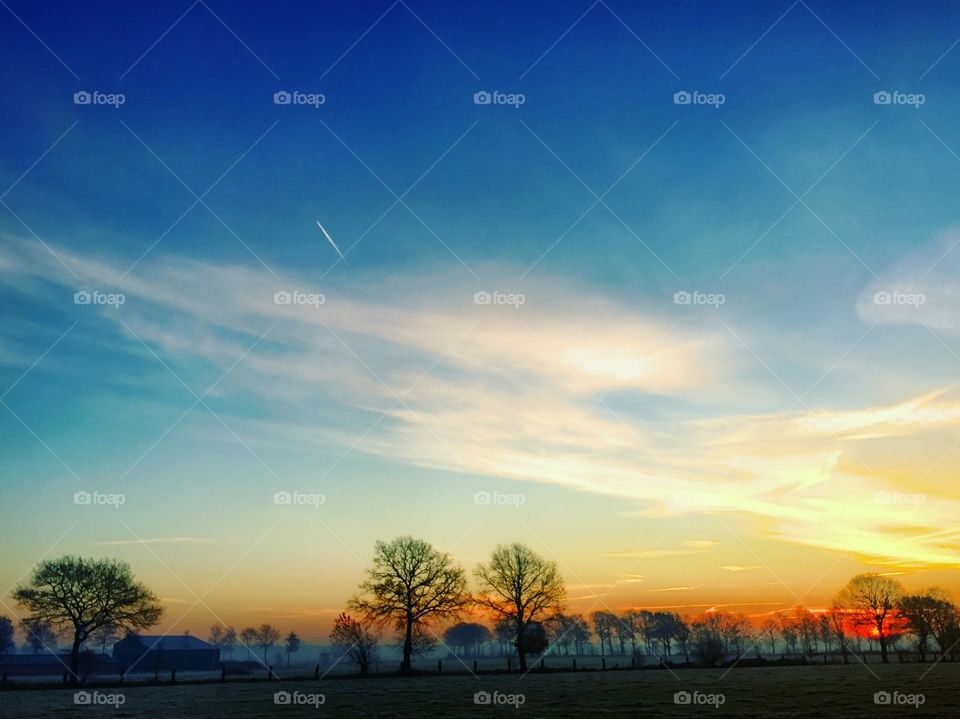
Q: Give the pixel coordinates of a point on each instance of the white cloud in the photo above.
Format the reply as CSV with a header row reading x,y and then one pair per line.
x,y
437,381
921,289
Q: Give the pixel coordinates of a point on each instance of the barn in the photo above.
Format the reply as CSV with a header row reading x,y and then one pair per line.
x,y
152,653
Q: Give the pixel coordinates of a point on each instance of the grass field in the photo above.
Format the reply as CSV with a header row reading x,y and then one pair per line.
x,y
812,691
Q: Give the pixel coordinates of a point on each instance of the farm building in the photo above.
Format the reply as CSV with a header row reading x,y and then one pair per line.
x,y
150,653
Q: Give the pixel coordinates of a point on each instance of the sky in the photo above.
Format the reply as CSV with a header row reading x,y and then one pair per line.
x,y
719,362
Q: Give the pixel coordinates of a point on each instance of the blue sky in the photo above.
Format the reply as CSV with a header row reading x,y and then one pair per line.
x,y
599,399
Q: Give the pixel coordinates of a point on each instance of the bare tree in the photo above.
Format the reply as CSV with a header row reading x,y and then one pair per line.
x,y
266,637
519,585
630,627
837,617
39,634
603,627
358,643
872,598
946,626
769,631
107,634
229,640
82,595
291,645
921,612
410,585
581,632
248,637
6,635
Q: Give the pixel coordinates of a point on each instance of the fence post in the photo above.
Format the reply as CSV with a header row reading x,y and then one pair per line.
x,y
173,675
439,667
509,665
270,673
474,666
574,664
223,674
121,676
603,663
316,672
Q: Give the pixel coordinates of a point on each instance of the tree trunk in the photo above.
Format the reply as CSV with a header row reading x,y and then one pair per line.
x,y
406,667
75,659
883,649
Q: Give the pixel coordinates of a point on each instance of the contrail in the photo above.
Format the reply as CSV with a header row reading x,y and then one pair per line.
x,y
330,240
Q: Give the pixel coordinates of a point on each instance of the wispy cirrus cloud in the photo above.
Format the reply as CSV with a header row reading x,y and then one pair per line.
x,y
571,388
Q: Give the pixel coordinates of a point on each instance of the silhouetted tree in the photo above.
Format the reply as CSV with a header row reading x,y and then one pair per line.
x,y
410,585
682,636
229,640
945,624
6,635
706,641
266,637
356,641
469,636
225,638
769,631
522,586
920,612
665,626
291,645
534,639
107,634
790,634
82,595
248,638
837,618
581,632
39,634
559,628
873,599
629,628
603,627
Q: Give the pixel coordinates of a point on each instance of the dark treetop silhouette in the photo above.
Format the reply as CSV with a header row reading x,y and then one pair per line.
x,y
78,595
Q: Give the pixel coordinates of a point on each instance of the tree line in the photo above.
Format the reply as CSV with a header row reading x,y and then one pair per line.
x,y
416,589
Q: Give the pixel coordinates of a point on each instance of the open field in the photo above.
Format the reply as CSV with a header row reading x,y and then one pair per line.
x,y
811,691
